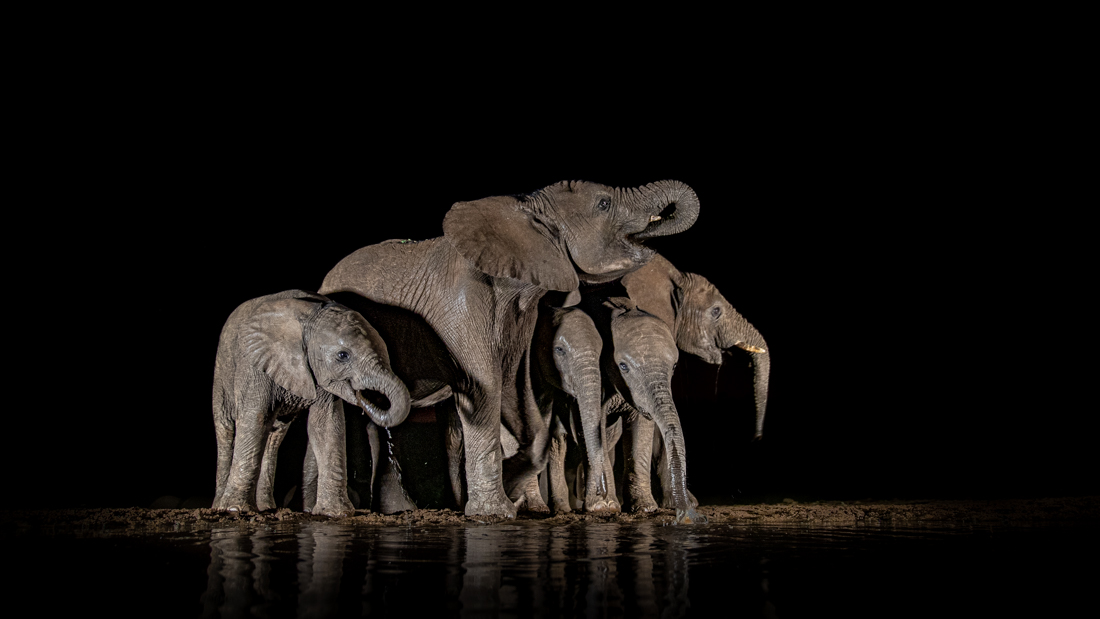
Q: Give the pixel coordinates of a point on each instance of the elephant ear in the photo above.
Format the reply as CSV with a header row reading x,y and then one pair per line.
x,y
503,237
271,340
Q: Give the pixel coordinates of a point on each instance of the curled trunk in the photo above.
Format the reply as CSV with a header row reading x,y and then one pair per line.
x,y
383,397
673,205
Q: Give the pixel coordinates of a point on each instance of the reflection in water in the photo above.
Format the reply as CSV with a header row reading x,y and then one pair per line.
x,y
528,568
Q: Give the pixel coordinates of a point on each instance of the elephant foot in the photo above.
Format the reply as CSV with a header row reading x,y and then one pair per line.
x,y
233,505
603,506
689,516
266,504
561,507
337,508
532,503
392,503
642,502
495,505
666,501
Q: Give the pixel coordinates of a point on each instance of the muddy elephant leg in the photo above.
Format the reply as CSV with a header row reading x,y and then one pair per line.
x,y
454,448
327,437
392,496
638,454
480,417
265,485
249,440
309,479
664,473
555,468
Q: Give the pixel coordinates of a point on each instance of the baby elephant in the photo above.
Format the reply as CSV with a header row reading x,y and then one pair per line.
x,y
279,355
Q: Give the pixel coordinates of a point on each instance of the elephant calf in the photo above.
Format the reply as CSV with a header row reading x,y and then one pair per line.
x,y
277,356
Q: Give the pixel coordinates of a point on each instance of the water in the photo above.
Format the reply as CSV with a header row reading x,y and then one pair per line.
x,y
534,569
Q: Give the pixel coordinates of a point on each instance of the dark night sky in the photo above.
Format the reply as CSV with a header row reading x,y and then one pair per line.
x,y
886,253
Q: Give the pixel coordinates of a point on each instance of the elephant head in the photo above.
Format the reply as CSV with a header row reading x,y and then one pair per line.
x,y
641,364
569,232
306,342
705,323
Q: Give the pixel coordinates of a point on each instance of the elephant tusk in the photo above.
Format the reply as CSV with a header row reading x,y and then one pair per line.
x,y
653,218
754,349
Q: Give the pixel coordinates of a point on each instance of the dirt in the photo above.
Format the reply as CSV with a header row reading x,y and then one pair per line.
x,y
138,521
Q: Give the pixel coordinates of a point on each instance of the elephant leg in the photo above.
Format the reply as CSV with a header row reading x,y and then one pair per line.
x,y
453,444
327,436
265,485
480,417
559,490
223,431
664,474
392,496
309,479
637,455
249,440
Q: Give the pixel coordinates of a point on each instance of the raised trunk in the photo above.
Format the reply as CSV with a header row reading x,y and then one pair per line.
x,y
673,207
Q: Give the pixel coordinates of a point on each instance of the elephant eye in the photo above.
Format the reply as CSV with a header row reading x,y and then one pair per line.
x,y
343,355
559,350
624,367
604,204
716,311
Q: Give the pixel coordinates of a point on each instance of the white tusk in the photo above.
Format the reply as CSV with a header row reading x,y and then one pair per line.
x,y
653,218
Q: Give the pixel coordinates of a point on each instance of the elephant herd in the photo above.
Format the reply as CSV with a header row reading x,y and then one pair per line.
x,y
535,322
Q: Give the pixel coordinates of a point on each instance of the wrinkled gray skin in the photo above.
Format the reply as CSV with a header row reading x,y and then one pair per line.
x,y
705,325
477,290
566,355
282,354
637,367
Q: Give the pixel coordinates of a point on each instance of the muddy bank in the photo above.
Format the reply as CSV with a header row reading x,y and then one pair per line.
x,y
137,521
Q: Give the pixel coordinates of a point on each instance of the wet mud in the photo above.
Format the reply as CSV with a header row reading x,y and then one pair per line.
x,y
134,520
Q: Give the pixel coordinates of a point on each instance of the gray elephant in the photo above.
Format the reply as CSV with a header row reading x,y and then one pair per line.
x,y
637,364
567,380
477,290
279,355
705,325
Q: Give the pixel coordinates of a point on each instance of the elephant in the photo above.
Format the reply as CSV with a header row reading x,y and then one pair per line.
x,y
477,289
705,325
566,353
637,368
281,354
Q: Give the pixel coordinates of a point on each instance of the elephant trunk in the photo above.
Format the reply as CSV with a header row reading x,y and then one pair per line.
x,y
587,392
390,409
739,333
673,207
668,423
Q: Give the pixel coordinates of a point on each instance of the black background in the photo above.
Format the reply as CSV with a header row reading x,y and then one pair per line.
x,y
900,243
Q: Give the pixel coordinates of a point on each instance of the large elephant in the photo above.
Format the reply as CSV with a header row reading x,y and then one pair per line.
x,y
705,325
279,355
477,290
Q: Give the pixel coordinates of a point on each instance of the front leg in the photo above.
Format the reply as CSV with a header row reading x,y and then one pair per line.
x,y
638,453
327,438
480,419
392,496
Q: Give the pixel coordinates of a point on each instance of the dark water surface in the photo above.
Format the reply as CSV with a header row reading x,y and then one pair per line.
x,y
530,568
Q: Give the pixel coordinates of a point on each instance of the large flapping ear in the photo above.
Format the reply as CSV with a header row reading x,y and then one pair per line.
x,y
503,238
271,340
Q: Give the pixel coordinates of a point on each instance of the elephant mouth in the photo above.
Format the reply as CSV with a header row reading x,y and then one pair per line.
x,y
666,217
374,403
